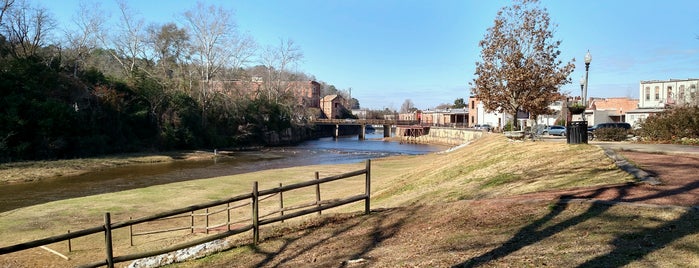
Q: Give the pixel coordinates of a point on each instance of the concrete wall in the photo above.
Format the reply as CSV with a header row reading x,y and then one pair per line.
x,y
446,136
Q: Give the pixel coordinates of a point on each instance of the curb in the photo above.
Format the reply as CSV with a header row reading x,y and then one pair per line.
x,y
624,165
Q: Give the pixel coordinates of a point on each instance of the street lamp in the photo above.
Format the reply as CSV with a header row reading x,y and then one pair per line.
x,y
588,59
582,85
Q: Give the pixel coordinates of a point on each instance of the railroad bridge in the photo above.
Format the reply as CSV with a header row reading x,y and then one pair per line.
x,y
410,127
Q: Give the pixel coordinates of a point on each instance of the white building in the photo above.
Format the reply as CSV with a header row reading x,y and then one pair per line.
x,y
656,95
477,115
550,119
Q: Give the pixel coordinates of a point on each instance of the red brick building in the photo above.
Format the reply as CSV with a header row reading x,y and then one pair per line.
x,y
307,92
605,110
332,106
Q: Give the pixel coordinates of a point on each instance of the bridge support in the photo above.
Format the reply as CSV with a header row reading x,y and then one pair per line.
x,y
337,131
362,132
386,131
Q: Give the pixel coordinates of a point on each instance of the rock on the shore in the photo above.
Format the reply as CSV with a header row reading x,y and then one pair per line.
x,y
181,255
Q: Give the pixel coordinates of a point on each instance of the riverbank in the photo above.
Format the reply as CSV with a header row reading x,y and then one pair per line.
x,y
489,167
33,171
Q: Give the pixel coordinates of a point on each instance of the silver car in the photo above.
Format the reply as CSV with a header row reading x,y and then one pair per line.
x,y
556,130
485,127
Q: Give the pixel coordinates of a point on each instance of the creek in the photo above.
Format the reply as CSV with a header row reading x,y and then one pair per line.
x,y
346,149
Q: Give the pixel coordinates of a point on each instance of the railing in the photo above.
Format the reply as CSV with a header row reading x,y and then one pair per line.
x,y
364,122
254,197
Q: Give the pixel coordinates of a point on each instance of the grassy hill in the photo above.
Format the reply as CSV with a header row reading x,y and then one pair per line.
x,y
463,207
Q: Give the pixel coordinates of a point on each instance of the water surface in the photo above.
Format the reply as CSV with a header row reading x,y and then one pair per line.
x,y
321,151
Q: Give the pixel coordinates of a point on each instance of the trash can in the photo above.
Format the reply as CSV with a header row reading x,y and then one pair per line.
x,y
576,132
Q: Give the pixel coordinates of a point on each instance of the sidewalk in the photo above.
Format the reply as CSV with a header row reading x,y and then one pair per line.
x,y
649,148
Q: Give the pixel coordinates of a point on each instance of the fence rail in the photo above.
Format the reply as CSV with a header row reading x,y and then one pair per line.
x,y
254,198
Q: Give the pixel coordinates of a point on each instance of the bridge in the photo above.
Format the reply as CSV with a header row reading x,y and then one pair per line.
x,y
409,124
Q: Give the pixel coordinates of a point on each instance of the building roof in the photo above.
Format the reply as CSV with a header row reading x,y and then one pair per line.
x,y
331,97
447,111
645,111
670,80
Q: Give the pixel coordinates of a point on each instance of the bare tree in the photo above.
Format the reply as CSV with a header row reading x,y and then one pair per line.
x,y
4,6
27,28
407,106
127,44
519,70
278,60
215,45
89,20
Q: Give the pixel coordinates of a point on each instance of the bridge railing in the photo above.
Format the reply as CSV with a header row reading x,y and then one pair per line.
x,y
364,122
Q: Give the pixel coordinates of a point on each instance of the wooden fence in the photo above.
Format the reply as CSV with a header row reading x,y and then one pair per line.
x,y
254,197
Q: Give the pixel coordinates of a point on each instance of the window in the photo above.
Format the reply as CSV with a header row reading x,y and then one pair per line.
x,y
647,93
670,99
657,93
680,94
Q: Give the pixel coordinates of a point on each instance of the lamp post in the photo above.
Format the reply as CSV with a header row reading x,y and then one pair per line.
x,y
588,59
582,85
577,130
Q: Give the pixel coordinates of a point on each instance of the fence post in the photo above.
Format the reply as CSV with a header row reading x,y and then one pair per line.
x,y
255,216
228,217
130,233
70,247
108,240
281,201
367,191
207,220
191,222
318,192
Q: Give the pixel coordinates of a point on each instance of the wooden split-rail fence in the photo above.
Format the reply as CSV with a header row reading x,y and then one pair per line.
x,y
226,229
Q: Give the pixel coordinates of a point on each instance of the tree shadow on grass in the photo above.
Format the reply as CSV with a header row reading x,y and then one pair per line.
x,y
383,228
622,254
646,241
531,234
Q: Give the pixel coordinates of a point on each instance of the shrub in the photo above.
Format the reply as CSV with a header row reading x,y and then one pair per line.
x,y
508,126
676,125
611,134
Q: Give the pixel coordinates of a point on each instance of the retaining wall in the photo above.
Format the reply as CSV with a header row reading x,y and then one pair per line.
x,y
446,136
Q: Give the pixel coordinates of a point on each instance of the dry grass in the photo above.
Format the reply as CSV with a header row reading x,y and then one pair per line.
x,y
481,233
439,211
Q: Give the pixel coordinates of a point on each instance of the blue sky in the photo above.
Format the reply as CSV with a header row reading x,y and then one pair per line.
x,y
388,51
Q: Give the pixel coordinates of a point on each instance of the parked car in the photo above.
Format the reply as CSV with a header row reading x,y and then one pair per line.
x,y
485,127
556,130
591,130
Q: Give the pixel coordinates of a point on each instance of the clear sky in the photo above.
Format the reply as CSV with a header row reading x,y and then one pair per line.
x,y
388,51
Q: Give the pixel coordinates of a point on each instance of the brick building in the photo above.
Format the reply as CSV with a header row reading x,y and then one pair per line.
x,y
307,93
332,106
607,110
478,115
445,117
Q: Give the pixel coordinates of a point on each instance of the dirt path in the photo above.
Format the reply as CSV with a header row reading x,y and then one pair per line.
x,y
678,174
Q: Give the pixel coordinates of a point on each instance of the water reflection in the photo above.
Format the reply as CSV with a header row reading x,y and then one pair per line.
x,y
322,151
